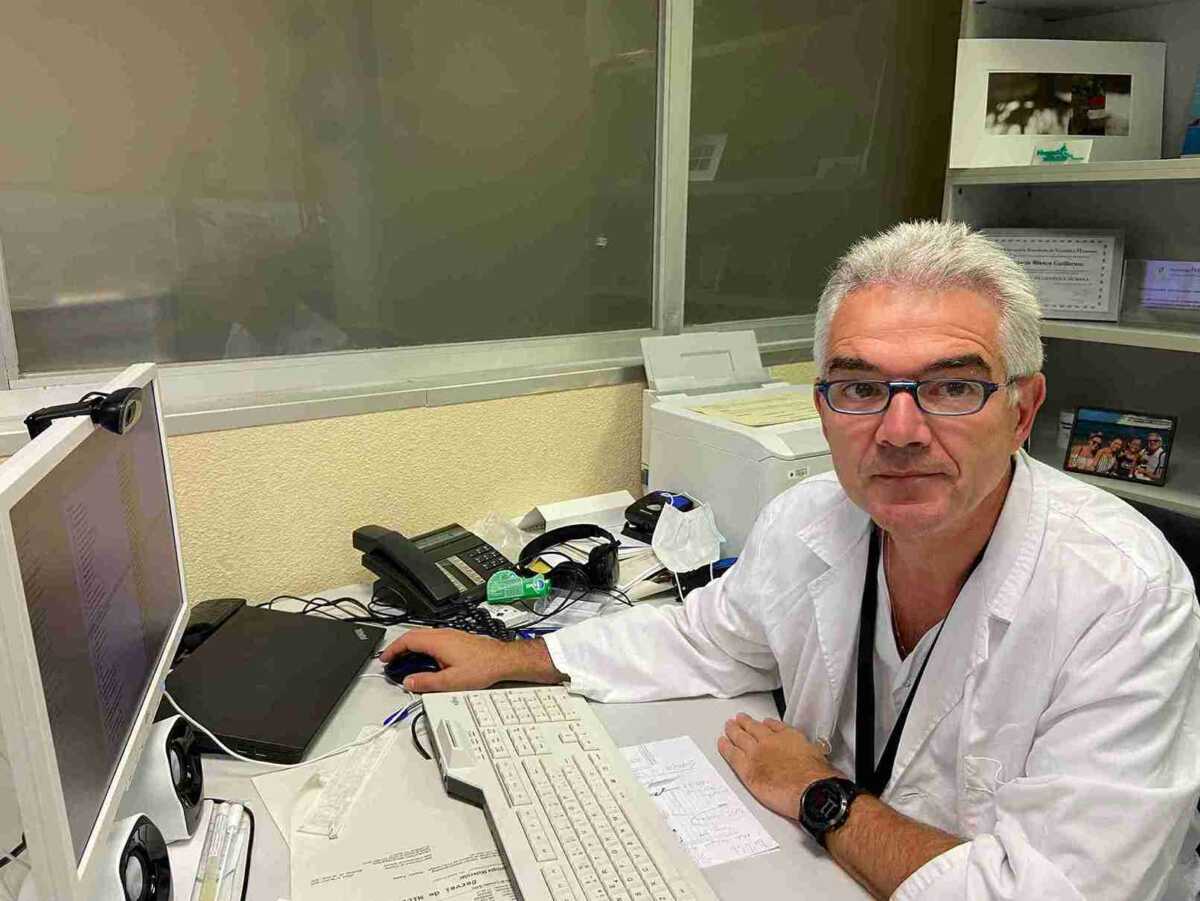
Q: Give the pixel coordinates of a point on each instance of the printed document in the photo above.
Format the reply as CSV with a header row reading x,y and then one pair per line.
x,y
700,808
385,848
777,408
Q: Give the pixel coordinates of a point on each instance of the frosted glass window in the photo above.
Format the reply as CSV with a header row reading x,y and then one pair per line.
x,y
242,178
813,124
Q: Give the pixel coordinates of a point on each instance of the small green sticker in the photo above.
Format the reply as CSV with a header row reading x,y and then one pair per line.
x,y
1059,155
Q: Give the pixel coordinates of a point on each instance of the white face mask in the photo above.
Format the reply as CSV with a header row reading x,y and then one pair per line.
x,y
686,541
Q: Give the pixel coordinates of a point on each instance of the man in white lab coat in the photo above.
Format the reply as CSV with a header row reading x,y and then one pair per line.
x,y
1046,634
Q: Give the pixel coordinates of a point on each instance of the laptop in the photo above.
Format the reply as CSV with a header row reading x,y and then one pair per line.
x,y
266,680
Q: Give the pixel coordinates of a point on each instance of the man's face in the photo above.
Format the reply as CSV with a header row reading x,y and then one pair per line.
x,y
1153,443
913,472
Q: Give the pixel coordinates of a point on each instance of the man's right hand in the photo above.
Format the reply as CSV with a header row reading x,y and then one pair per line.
x,y
473,661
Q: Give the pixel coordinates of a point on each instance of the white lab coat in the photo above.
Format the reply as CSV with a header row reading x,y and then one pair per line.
x,y
1056,727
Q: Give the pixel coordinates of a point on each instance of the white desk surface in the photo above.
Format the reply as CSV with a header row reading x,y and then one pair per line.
x,y
799,869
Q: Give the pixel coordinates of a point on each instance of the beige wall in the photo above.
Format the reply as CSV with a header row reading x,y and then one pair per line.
x,y
269,510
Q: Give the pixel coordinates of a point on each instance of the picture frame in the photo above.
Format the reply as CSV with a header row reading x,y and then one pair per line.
x,y
1013,97
1121,444
705,156
1077,271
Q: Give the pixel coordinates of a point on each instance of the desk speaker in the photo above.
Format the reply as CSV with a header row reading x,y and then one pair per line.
x,y
132,864
168,787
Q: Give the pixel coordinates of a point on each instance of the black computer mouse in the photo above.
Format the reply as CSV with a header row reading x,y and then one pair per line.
x,y
405,665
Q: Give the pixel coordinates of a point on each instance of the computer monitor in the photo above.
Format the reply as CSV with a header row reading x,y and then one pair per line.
x,y
92,606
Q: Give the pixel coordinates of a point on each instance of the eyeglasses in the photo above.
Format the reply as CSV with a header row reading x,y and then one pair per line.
x,y
938,397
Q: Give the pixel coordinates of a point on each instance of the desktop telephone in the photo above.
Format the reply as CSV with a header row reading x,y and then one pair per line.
x,y
433,574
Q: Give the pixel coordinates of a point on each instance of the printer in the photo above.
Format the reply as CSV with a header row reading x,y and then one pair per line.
x,y
718,429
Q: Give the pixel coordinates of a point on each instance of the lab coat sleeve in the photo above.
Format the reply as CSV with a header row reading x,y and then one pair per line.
x,y
713,644
1111,781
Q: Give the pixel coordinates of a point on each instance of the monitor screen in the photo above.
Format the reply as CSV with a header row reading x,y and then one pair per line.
x,y
97,557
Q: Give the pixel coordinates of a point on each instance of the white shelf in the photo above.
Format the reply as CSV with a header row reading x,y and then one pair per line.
x,y
1130,171
1181,493
1127,335
1066,9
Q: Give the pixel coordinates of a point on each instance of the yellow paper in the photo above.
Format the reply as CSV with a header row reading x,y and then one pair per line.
x,y
781,407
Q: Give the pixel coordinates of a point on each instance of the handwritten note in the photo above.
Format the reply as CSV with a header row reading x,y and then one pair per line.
x,y
700,808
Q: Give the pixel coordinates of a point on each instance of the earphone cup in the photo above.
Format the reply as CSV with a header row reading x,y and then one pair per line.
x,y
569,575
602,566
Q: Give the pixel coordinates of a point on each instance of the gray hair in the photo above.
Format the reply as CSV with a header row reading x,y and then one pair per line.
x,y
935,256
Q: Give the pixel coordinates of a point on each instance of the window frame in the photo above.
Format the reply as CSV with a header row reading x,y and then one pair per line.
x,y
228,394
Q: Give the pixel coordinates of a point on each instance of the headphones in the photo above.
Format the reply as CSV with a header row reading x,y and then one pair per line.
x,y
600,570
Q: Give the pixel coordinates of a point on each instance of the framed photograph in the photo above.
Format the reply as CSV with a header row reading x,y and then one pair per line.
x,y
1191,136
1015,97
1120,444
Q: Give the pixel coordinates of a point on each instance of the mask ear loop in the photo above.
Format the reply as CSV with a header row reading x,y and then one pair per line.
x,y
678,586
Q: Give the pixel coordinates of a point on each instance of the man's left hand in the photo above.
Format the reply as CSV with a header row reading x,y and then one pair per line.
x,y
773,760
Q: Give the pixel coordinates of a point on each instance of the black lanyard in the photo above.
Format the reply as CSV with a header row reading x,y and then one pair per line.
x,y
869,777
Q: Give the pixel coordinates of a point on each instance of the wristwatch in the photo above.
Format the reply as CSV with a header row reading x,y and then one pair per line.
x,y
825,806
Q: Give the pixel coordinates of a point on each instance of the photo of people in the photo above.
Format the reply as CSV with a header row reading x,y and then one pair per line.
x,y
1042,103
1120,445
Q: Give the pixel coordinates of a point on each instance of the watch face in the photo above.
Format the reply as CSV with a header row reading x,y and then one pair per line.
x,y
824,804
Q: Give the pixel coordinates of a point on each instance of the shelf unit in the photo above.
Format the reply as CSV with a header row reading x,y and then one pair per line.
x,y
1058,10
1124,335
1183,472
1123,172
1155,202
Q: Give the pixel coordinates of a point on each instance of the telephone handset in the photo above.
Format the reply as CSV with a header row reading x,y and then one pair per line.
x,y
433,574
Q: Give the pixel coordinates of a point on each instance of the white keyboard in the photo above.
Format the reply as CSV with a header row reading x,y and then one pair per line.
x,y
571,821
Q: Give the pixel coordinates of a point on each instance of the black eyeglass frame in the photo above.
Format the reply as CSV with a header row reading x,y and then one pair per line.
x,y
909,386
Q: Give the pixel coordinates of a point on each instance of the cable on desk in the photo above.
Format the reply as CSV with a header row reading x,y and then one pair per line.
x,y
465,616
249,839
416,741
278,766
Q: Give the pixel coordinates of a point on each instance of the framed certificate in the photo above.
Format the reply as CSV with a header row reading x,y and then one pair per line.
x,y
1077,272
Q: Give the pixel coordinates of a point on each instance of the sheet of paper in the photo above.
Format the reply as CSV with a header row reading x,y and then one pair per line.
x,y
386,848
711,822
778,408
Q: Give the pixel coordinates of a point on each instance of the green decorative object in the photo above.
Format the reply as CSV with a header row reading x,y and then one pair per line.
x,y
506,587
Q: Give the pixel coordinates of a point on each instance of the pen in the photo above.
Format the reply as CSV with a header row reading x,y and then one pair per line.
x,y
233,858
216,829
212,867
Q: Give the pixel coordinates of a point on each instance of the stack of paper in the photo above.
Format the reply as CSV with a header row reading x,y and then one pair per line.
x,y
385,847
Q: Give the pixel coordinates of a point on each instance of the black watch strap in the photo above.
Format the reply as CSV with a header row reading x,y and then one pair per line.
x,y
825,806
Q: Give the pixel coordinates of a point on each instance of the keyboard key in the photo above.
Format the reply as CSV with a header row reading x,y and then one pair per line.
x,y
483,711
557,883
496,744
520,742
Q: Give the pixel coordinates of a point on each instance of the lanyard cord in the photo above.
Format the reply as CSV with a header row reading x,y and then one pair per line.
x,y
869,777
